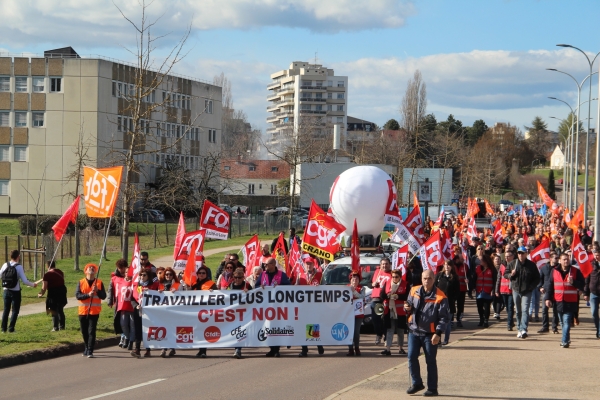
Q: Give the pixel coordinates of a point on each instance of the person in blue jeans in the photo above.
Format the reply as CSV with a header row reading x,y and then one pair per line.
x,y
428,313
12,290
591,290
562,290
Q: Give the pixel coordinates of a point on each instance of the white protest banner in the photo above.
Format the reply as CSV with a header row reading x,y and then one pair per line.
x,y
279,316
403,235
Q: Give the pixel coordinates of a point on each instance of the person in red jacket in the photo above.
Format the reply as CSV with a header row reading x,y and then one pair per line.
x,y
380,277
485,283
462,270
504,290
562,288
119,296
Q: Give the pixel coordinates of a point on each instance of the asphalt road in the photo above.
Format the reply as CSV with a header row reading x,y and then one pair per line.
x,y
115,374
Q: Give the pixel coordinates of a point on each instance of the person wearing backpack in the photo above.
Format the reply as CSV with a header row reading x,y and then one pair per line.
x,y
11,272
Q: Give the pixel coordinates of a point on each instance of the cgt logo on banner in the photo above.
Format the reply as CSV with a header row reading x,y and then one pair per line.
x,y
186,248
157,333
215,220
313,333
184,334
321,235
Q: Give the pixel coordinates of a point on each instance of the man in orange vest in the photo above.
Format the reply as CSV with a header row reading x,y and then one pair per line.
x,y
90,293
562,288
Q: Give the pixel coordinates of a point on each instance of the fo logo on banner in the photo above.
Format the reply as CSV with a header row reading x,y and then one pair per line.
x,y
340,332
157,333
313,333
212,334
185,334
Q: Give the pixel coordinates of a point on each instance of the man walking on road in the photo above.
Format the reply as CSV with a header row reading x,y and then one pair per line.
x,y
429,312
524,277
11,273
545,276
562,289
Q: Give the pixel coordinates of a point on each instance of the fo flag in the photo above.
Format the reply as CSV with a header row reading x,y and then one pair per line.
x,y
541,254
471,231
447,248
321,234
414,224
400,259
250,254
101,189
62,224
355,249
196,239
392,214
431,253
498,232
215,220
584,260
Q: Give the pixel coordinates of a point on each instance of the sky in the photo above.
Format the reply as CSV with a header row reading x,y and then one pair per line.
x,y
480,59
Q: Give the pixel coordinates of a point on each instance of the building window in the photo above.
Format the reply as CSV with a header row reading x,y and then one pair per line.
x,y
55,84
319,107
252,168
20,119
260,186
4,118
227,168
340,84
119,124
114,88
330,95
20,154
340,108
208,106
212,136
4,153
20,84
38,119
38,84
340,95
340,119
4,84
251,188
274,169
273,189
305,107
329,107
3,188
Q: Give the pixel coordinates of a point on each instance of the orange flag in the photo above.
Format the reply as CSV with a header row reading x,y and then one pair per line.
x,y
546,199
577,219
101,189
488,208
189,275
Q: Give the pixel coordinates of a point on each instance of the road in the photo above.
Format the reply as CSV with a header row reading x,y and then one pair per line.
x,y
217,377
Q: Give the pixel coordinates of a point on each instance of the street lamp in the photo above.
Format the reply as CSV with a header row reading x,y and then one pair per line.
x,y
567,160
571,180
587,140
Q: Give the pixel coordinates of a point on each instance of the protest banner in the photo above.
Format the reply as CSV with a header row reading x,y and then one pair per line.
x,y
280,316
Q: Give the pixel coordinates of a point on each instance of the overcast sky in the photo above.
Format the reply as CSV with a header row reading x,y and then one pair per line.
x,y
480,59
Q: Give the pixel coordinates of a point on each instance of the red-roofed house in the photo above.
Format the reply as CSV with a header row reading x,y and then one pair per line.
x,y
252,177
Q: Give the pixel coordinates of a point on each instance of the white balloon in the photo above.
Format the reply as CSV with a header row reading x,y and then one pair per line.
x,y
361,192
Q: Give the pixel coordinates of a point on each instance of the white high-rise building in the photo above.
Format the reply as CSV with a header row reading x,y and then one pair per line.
x,y
306,92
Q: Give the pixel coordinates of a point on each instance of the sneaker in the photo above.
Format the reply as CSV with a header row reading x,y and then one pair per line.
x,y
430,393
415,388
85,352
519,334
509,328
163,353
543,330
378,340
201,353
271,354
459,324
136,353
147,353
524,335
56,330
386,353
564,345
130,346
237,354
555,331
402,352
91,355
496,315
171,353
121,343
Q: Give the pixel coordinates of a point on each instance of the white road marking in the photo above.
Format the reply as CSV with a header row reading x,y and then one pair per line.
x,y
124,389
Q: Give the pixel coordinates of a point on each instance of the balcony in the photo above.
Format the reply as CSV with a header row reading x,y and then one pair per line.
x,y
320,88
322,100
313,112
274,85
336,88
273,96
285,102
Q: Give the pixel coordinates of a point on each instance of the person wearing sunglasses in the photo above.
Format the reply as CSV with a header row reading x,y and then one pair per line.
x,y
394,317
145,262
238,283
203,282
147,281
232,257
170,283
226,277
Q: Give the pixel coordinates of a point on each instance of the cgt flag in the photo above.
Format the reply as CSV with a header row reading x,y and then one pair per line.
x,y
101,189
215,220
541,254
60,227
321,234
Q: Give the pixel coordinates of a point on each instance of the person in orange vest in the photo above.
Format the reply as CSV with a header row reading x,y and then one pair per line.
x,y
485,282
90,292
562,288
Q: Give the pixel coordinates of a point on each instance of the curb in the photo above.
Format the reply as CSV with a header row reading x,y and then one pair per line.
x,y
53,352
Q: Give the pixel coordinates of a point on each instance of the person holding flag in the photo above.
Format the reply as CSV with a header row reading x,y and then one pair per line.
x,y
309,275
90,292
562,289
119,296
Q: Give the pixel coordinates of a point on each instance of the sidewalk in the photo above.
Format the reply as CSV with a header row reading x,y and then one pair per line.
x,y
494,364
166,261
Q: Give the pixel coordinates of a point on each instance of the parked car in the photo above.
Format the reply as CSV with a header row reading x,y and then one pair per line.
x,y
243,210
147,216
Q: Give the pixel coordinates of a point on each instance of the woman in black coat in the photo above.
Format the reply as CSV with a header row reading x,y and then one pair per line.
x,y
447,281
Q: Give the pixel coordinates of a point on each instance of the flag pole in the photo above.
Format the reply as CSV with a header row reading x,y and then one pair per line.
x,y
100,263
57,247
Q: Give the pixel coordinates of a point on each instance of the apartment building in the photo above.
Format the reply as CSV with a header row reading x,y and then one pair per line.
x,y
47,102
306,95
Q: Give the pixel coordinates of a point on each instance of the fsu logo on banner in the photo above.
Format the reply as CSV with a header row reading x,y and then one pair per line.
x,y
215,220
321,235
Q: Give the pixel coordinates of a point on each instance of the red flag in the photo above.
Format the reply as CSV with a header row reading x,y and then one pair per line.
x,y
215,220
431,253
179,236
471,231
414,224
440,221
498,232
185,250
400,258
447,248
541,254
392,214
62,224
189,274
250,254
280,254
575,222
134,268
581,256
321,234
294,264
525,238
355,249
